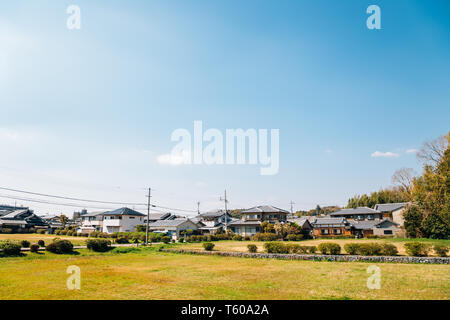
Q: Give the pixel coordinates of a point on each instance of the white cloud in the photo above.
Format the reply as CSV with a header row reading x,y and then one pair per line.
x,y
412,151
174,160
384,154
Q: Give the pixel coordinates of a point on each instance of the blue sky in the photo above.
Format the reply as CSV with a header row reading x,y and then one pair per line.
x,y
87,112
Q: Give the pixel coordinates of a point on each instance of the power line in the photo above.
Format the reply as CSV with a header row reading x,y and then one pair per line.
x,y
93,201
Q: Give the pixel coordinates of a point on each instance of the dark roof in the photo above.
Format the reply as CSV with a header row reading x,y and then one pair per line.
x,y
265,209
213,214
340,221
368,225
388,207
124,212
352,211
169,223
94,214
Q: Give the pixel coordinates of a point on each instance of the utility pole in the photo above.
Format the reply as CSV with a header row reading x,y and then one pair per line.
x,y
292,210
198,207
148,215
226,211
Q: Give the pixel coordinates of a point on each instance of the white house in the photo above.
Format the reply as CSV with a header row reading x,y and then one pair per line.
x,y
92,221
213,222
393,210
122,220
172,227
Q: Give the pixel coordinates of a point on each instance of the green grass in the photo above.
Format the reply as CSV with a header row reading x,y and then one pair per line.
x,y
146,273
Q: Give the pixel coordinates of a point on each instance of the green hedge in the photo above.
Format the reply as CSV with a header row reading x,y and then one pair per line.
x,y
98,245
371,249
417,249
60,246
329,248
280,247
9,248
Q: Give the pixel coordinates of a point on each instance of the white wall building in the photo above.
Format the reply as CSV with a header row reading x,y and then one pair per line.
x,y
122,220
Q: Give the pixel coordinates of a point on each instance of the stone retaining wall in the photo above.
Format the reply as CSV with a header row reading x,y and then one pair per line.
x,y
317,257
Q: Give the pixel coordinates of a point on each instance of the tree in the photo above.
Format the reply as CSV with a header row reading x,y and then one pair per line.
x,y
432,152
413,221
63,219
403,178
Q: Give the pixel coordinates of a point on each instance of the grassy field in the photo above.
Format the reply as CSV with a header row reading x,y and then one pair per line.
x,y
149,274
34,238
241,246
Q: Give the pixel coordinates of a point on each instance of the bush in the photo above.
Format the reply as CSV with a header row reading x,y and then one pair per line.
x,y
165,239
312,249
98,245
208,246
417,249
274,247
34,247
60,246
329,248
7,230
237,237
10,248
40,231
265,237
252,248
441,250
370,249
41,243
122,240
25,244
294,237
389,249
352,248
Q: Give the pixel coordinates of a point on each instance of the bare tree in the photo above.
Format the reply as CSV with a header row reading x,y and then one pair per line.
x,y
432,152
404,178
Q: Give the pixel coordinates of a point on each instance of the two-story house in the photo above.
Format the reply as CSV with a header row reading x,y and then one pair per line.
x,y
360,214
20,220
92,221
393,210
252,218
213,222
121,220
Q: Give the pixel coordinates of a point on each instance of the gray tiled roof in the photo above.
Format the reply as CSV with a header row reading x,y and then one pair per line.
x,y
369,224
168,223
352,211
264,209
340,221
94,214
213,214
388,207
124,212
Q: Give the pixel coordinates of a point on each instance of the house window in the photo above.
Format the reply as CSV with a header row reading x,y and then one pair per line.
x,y
324,231
337,231
131,217
387,231
370,217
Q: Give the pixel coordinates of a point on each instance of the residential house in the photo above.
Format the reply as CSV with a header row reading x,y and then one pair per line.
x,y
252,218
393,210
92,221
360,214
303,222
384,227
20,219
153,217
121,220
331,226
174,227
213,222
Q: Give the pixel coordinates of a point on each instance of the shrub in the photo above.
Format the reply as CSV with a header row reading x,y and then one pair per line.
x,y
208,246
389,249
265,237
441,250
274,247
122,240
312,249
7,230
237,237
369,249
165,239
63,232
352,248
252,248
25,244
98,245
329,248
247,238
41,231
10,248
417,249
294,237
41,243
60,246
34,247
